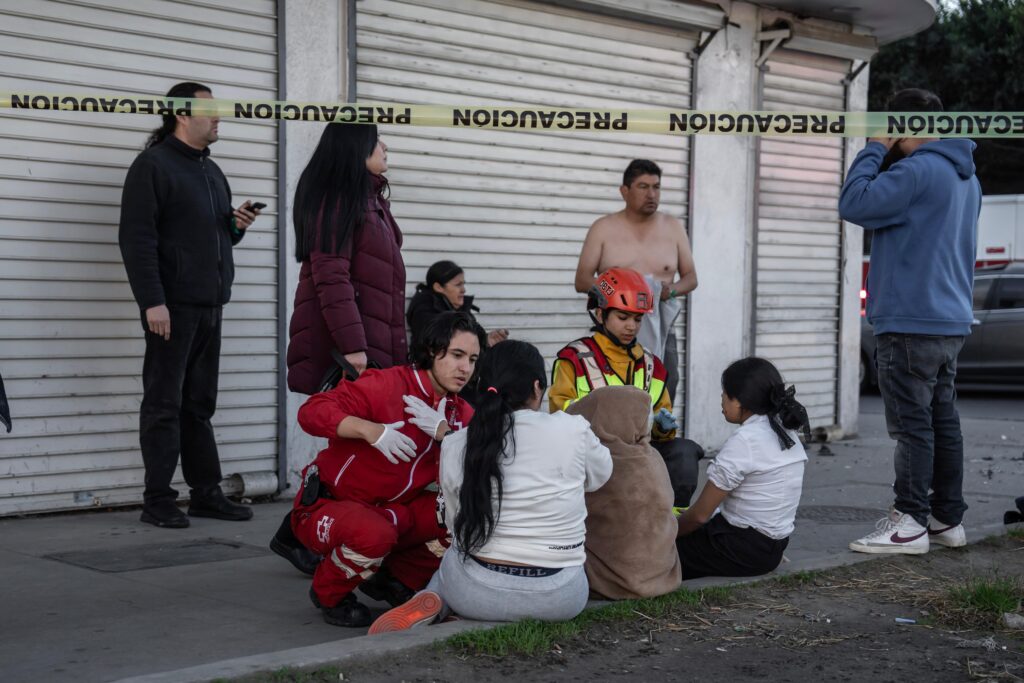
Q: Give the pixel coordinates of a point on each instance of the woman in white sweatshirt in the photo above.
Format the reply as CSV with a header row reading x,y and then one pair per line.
x,y
512,486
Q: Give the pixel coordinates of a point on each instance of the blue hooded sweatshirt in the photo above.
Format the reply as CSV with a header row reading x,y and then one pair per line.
x,y
924,211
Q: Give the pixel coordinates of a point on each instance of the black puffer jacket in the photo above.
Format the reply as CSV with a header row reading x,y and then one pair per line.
x,y
176,234
426,305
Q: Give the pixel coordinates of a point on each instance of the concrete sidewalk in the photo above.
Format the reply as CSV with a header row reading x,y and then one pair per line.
x,y
224,605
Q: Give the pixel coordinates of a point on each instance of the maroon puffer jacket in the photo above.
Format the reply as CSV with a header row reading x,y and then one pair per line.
x,y
352,301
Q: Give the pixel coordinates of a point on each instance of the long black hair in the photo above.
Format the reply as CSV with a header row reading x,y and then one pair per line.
x,y
440,273
170,121
331,197
759,388
507,374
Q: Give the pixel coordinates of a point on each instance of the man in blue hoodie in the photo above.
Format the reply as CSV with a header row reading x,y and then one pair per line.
x,y
923,210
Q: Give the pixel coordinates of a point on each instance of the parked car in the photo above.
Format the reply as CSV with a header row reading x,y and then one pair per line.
x,y
994,351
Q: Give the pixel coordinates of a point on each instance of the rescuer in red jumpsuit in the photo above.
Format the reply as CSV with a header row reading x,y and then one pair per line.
x,y
364,503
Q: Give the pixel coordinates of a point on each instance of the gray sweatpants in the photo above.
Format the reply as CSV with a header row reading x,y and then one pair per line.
x,y
474,592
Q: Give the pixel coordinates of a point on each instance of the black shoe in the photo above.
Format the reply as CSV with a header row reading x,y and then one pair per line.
x,y
287,546
349,613
165,516
214,504
385,588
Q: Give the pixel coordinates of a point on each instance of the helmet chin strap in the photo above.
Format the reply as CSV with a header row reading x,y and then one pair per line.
x,y
615,340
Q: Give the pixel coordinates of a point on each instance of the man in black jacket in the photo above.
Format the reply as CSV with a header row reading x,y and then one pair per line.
x,y
176,236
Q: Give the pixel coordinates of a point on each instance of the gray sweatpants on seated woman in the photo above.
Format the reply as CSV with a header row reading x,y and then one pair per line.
x,y
474,592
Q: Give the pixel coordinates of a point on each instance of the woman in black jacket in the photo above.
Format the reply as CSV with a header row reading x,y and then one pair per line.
x,y
443,290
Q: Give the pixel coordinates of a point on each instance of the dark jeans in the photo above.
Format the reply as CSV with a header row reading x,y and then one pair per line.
x,y
721,549
915,377
670,360
179,380
681,457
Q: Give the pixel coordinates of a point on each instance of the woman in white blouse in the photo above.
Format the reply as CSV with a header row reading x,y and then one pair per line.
x,y
754,481
512,486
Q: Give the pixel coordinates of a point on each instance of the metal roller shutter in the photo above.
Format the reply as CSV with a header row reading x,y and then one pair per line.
x,y
70,338
513,207
799,240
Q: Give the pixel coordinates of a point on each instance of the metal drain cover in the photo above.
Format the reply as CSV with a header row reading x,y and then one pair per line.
x,y
838,514
156,555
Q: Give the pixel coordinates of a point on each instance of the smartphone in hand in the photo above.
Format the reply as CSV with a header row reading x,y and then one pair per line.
x,y
257,206
892,156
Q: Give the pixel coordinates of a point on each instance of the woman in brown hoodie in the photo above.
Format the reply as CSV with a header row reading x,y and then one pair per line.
x,y
631,530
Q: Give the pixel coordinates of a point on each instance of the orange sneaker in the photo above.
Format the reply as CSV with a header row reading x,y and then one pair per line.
x,y
421,609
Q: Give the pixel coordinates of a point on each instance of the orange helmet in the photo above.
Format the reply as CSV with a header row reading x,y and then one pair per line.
x,y
623,289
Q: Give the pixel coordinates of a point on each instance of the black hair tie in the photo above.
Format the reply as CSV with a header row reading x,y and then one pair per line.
x,y
784,399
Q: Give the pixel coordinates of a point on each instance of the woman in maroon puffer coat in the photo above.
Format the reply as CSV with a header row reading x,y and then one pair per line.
x,y
351,289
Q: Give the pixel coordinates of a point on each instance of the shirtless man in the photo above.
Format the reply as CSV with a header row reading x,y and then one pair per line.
x,y
644,239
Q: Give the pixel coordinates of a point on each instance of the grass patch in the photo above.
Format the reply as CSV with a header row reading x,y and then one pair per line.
x,y
530,637
978,603
1016,534
990,596
796,579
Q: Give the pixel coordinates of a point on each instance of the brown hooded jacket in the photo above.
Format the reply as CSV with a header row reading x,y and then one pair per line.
x,y
631,531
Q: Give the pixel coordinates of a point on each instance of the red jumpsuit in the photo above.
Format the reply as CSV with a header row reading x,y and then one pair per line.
x,y
378,514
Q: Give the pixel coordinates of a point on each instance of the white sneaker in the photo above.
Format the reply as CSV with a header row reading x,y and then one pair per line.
x,y
896,534
946,535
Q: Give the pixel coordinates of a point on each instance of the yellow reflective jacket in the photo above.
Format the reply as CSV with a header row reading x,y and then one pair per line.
x,y
594,362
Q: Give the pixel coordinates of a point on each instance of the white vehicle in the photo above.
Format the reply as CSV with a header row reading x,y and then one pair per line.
x,y
1000,231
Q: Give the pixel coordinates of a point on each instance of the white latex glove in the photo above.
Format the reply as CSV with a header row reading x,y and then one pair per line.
x,y
428,419
394,444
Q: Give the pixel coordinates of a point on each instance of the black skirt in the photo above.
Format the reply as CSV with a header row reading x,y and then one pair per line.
x,y
721,549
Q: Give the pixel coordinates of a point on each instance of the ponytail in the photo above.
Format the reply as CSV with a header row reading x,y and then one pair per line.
x,y
759,388
170,121
507,374
787,413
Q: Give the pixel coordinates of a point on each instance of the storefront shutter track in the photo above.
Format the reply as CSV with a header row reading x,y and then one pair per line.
x,y
71,341
798,234
510,206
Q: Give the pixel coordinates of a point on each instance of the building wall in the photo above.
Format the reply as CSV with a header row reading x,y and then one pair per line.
x,y
722,232
723,188
853,248
315,71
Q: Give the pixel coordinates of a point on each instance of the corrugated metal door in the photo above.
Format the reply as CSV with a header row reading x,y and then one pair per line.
x,y
70,336
513,207
799,240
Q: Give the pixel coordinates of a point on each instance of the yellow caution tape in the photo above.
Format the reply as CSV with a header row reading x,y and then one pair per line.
x,y
679,122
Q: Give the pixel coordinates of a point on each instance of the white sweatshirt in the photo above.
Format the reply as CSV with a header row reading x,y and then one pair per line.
x,y
557,457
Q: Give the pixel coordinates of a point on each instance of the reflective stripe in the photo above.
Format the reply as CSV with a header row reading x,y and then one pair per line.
x,y
343,468
657,389
350,557
583,357
349,571
357,558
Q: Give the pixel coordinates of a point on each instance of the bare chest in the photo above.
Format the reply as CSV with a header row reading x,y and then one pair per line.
x,y
655,254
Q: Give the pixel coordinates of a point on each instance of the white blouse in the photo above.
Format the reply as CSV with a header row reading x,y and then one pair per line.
x,y
763,481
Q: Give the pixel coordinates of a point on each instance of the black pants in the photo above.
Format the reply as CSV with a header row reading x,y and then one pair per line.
x,y
681,457
721,549
179,381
